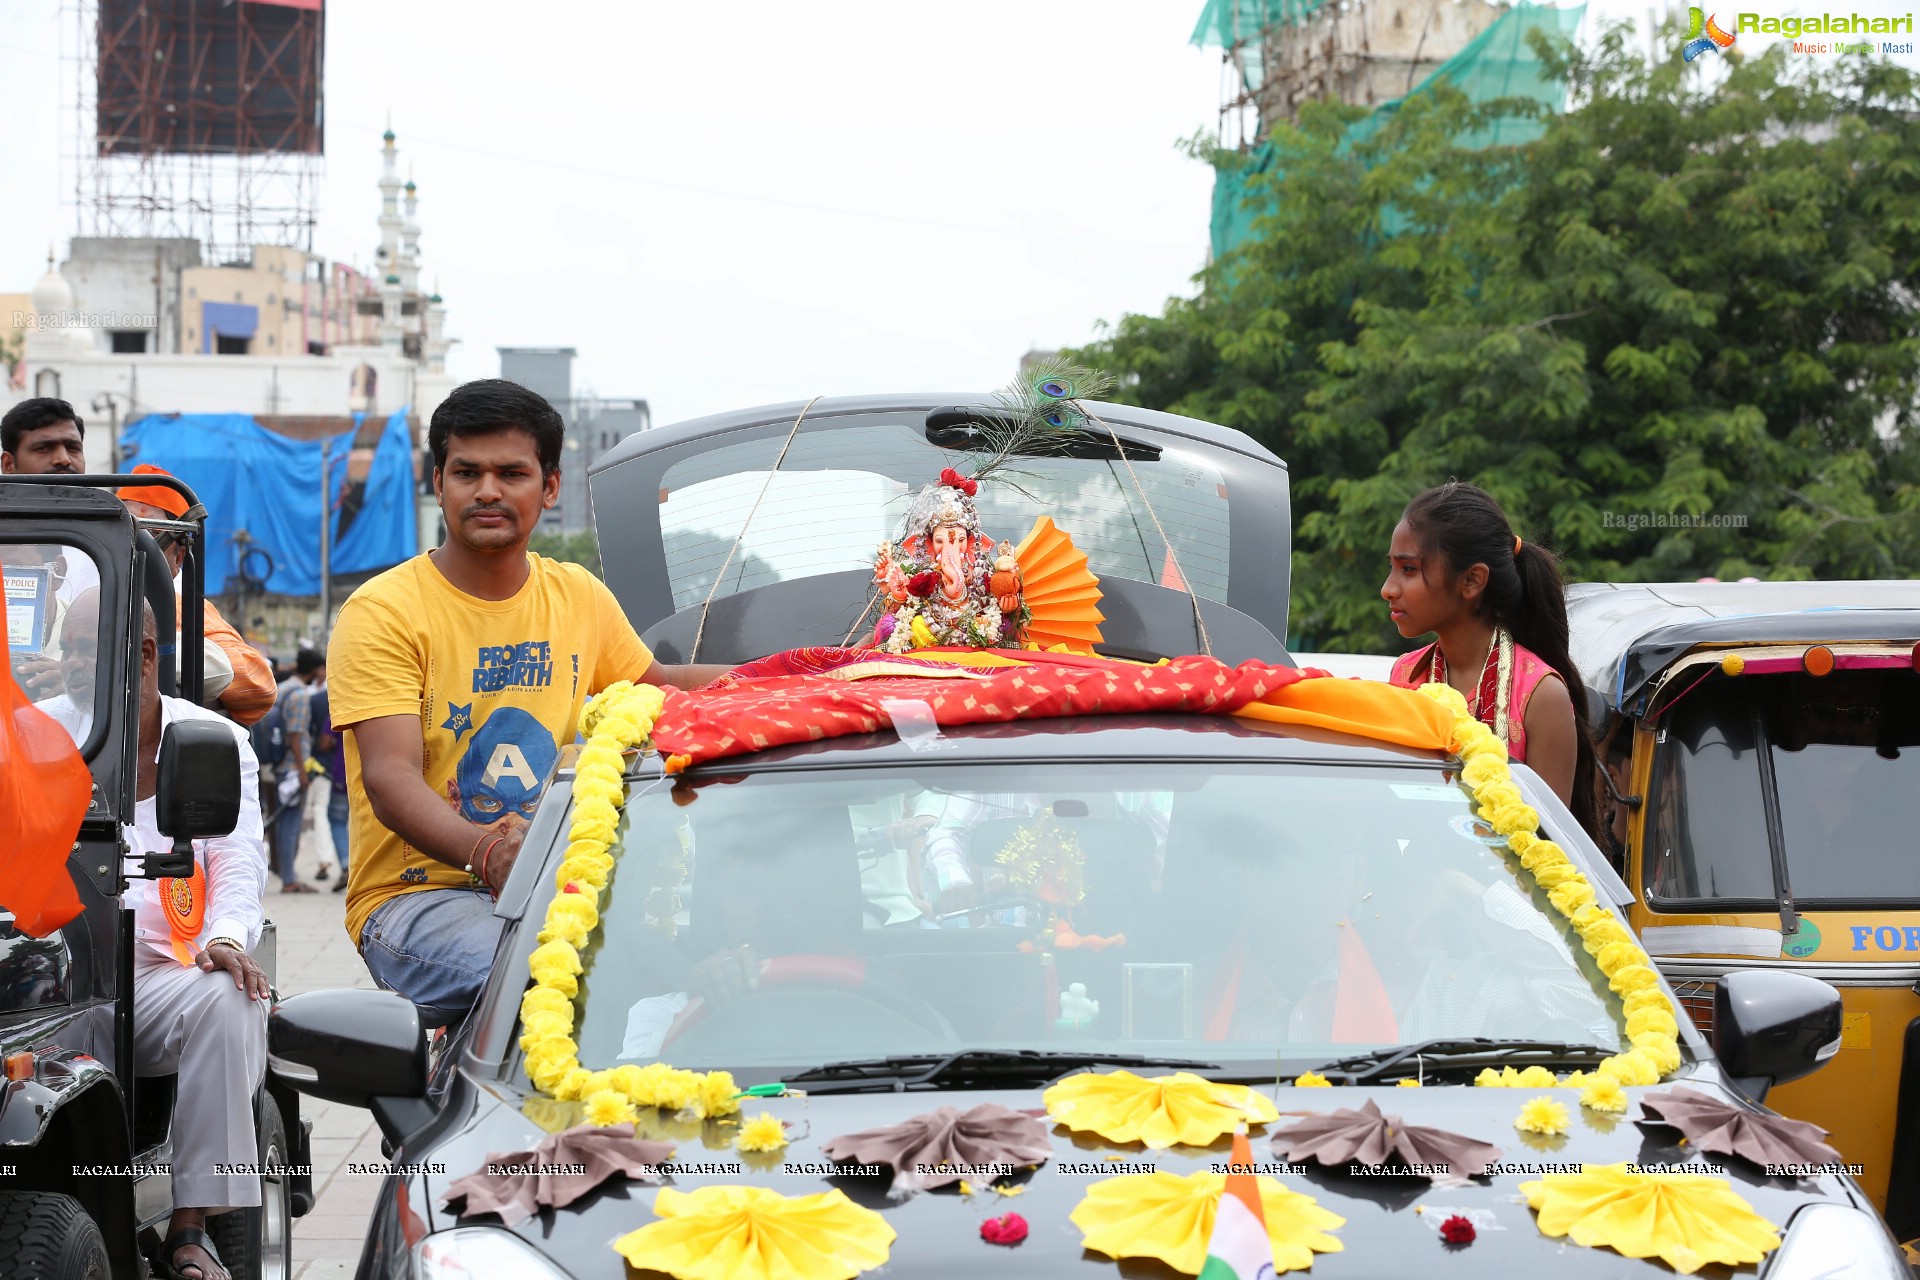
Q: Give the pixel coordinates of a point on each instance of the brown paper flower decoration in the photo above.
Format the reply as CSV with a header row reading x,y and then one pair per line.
x,y
751,1233
940,1147
1159,1111
1685,1220
1170,1217
1365,1136
1709,1124
519,1183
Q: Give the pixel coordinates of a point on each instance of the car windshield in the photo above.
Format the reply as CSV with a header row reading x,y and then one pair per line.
x,y
839,492
1242,914
1845,750
53,626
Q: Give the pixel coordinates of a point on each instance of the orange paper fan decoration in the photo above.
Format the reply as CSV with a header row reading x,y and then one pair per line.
x,y
1060,590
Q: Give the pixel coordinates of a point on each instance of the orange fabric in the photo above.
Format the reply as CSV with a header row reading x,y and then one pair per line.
x,y
1362,1012
152,494
185,902
1221,1020
1365,708
756,713
251,694
44,787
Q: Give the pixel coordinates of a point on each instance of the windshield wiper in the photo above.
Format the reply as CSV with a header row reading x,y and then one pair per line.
x,y
1460,1054
991,1068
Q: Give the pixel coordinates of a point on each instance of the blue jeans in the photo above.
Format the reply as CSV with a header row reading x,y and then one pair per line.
x,y
435,947
337,819
286,838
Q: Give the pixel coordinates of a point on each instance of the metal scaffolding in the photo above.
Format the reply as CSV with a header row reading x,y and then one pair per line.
x,y
195,118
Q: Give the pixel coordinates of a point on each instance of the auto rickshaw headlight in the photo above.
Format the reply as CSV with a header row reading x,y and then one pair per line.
x,y
1818,661
1836,1240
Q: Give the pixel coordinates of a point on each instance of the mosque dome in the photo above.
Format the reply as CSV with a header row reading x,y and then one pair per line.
x,y
53,295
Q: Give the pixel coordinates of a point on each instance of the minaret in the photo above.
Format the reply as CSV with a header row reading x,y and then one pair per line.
x,y
410,241
435,347
387,257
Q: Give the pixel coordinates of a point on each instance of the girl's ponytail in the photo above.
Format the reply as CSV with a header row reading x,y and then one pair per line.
x,y
1525,594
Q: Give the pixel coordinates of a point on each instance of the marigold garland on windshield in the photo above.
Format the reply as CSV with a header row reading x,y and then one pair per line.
x,y
618,720
1652,1029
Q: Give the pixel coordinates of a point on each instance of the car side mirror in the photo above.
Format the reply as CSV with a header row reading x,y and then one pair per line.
x,y
1774,1027
197,792
357,1047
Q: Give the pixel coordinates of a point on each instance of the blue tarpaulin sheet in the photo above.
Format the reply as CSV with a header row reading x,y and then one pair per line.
x,y
269,485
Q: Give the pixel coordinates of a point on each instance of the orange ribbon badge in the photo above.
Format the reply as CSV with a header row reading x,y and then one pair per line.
x,y
185,902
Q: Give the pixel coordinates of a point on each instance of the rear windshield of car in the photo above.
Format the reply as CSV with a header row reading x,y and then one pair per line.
x,y
840,492
1226,912
1845,750
53,631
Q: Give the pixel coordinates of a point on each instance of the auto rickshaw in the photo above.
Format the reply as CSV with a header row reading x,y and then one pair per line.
x,y
1760,745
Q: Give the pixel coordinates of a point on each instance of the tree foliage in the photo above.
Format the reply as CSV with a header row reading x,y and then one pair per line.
x,y
577,548
1680,300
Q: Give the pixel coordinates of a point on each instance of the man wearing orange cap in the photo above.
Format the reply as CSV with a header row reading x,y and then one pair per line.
x,y
250,693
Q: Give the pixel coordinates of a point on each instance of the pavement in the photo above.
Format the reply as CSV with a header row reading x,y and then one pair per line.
x,y
314,954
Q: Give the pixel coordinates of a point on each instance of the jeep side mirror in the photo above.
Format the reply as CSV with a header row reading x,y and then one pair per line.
x,y
197,792
1774,1027
357,1047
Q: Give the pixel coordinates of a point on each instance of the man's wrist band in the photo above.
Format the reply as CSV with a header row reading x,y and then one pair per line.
x,y
224,942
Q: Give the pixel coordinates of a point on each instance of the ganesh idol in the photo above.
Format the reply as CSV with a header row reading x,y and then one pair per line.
x,y
946,584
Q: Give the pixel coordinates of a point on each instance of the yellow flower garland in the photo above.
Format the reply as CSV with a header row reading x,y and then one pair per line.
x,y
1652,1028
615,722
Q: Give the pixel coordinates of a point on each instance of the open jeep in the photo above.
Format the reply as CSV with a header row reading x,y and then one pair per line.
x,y
85,1142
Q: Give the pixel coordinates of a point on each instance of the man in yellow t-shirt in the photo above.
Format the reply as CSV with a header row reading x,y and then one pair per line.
x,y
456,678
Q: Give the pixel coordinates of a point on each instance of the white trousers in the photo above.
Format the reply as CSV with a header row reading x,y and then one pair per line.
x,y
206,1029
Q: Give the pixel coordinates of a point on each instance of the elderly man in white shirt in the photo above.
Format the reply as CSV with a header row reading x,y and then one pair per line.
x,y
200,1000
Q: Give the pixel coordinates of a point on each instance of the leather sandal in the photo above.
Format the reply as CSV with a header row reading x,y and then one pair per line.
x,y
191,1270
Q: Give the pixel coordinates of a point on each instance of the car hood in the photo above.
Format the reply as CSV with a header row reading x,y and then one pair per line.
x,y
938,1232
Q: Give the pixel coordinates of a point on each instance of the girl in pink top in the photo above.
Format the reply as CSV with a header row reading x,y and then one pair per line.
x,y
1498,608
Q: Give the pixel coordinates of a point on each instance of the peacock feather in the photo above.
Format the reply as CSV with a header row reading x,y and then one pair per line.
x,y
1038,414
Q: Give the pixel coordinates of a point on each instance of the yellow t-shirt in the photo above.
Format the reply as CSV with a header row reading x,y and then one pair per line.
x,y
497,684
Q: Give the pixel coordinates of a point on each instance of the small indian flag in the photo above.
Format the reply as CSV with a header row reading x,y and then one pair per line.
x,y
1239,1249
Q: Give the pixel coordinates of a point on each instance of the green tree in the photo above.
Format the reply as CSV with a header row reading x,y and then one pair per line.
x,y
1677,300
579,548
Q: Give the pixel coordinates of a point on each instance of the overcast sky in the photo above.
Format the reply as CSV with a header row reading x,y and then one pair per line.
x,y
721,206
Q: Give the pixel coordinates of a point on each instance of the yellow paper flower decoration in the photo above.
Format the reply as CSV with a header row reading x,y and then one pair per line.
x,y
1543,1116
1654,1040
607,1107
1408,1083
1159,1111
1603,1093
1311,1080
1170,1217
1688,1221
751,1233
762,1133
1537,1078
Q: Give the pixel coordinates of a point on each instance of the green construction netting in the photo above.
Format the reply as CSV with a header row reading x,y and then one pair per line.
x,y
1239,26
1498,63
